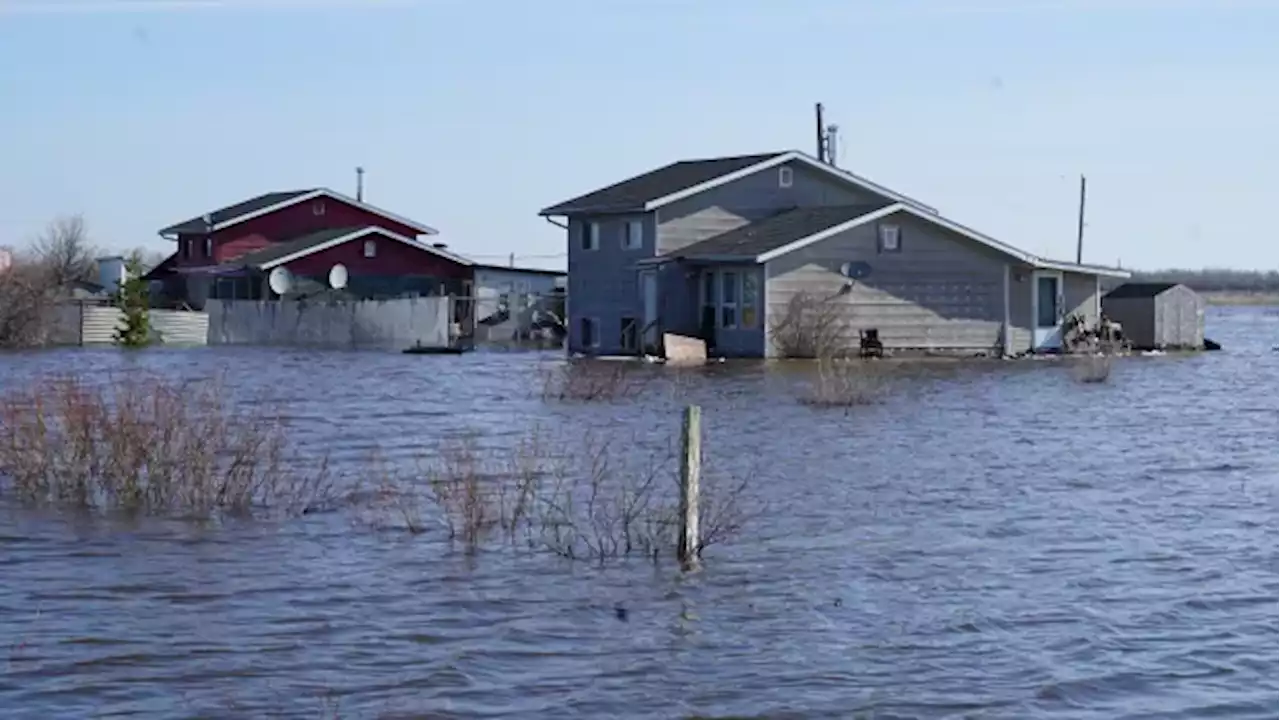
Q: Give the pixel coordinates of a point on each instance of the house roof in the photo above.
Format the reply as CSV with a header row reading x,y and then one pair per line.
x,y
633,193
1140,290
776,231
292,249
519,270
273,201
773,237
667,184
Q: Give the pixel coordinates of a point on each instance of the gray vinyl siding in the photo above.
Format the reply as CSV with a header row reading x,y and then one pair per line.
x,y
604,283
758,195
1020,308
1080,296
940,292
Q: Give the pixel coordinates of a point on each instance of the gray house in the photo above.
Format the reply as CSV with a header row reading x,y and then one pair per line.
x,y
737,249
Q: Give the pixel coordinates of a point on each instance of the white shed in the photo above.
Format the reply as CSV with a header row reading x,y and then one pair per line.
x,y
1157,316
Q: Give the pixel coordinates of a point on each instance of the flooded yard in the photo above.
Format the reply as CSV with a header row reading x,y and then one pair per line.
x,y
987,540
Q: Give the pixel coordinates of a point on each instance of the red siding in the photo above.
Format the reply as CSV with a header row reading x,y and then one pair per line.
x,y
285,224
392,258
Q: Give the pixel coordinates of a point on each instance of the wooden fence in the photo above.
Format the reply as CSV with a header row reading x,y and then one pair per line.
x,y
90,324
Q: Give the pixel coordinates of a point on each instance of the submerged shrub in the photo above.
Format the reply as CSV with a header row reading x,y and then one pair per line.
x,y
143,443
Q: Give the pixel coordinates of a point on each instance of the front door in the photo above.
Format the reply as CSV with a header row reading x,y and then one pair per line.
x,y
649,296
1046,309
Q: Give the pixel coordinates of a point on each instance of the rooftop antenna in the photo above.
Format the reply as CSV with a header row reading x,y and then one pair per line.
x,y
359,184
821,138
831,142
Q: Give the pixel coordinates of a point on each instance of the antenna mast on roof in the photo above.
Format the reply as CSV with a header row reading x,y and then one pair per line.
x,y
359,184
821,133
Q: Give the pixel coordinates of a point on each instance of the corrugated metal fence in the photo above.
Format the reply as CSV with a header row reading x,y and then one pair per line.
x,y
88,324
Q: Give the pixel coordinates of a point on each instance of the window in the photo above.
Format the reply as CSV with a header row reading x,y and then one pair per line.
x,y
630,335
587,333
750,297
186,248
728,299
786,176
208,247
590,236
370,248
317,207
890,239
633,235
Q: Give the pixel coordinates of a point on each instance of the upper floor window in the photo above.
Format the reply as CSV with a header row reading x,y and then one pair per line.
x,y
633,235
786,176
186,248
317,207
590,236
370,248
890,240
208,247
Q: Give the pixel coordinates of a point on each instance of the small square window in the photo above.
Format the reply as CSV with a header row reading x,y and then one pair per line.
x,y
890,239
370,248
786,176
317,207
591,236
633,235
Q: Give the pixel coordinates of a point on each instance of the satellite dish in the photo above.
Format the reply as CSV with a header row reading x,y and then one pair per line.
x,y
280,281
855,270
338,276
208,220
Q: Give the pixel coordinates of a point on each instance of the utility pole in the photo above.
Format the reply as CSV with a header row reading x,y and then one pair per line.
x,y
359,184
1080,224
821,136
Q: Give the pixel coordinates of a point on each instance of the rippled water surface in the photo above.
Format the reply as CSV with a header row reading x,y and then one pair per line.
x,y
993,540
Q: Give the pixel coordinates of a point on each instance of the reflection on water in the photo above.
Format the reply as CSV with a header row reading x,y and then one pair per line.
x,y
992,540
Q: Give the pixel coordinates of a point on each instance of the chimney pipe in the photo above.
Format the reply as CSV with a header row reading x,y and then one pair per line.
x,y
822,145
359,184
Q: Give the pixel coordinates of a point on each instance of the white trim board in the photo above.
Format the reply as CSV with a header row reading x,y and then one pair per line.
x,y
786,157
372,230
332,195
936,219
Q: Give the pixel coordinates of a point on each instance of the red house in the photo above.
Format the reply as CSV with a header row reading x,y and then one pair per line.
x,y
228,253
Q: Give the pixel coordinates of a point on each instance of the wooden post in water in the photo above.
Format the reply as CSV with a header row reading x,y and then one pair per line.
x,y
690,477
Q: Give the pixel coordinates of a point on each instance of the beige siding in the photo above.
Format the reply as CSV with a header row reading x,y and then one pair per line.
x,y
758,195
1080,296
941,292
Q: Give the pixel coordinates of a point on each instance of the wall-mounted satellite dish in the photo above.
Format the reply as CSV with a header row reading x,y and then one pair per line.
x,y
338,276
855,270
280,281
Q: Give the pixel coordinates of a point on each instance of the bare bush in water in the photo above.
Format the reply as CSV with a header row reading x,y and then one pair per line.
x,y
593,380
142,443
844,383
591,502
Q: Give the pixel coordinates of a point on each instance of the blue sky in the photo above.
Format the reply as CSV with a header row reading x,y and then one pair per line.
x,y
472,115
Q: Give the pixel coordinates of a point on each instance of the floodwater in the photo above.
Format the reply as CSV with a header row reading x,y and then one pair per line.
x,y
993,540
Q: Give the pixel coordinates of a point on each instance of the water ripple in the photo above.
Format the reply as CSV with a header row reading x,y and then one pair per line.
x,y
993,541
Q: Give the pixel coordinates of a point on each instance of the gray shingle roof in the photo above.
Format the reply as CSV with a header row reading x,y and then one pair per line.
x,y
633,193
773,232
197,224
1140,290
275,251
